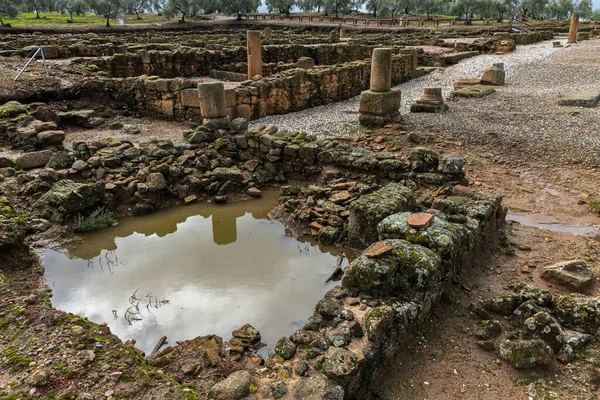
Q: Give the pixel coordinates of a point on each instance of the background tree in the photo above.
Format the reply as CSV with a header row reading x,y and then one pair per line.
x,y
337,6
374,6
157,6
35,6
72,7
107,8
584,9
282,6
8,9
137,6
239,6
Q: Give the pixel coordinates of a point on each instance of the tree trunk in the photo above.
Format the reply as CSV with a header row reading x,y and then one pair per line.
x,y
108,20
239,16
37,14
374,12
182,20
137,14
71,14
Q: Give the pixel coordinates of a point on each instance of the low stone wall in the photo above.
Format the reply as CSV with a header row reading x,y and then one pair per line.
x,y
385,292
290,90
195,62
526,37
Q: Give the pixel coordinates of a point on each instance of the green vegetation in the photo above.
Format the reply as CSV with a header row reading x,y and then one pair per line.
x,y
97,220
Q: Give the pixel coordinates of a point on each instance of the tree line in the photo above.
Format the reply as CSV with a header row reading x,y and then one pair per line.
x,y
182,9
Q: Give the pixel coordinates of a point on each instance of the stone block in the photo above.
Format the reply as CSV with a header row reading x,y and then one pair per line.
x,y
581,98
493,76
306,63
466,82
230,98
474,91
212,99
34,159
243,111
190,98
380,103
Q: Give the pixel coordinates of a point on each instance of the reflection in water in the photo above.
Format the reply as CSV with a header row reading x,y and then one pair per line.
x,y
192,271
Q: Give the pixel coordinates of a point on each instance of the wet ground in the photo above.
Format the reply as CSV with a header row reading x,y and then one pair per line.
x,y
193,270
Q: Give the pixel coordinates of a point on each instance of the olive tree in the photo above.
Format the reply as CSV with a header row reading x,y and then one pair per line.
x,y
107,8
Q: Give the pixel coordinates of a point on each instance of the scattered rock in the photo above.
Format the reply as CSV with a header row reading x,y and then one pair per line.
x,y
576,274
503,304
543,326
35,159
285,348
579,312
487,329
236,386
254,192
526,353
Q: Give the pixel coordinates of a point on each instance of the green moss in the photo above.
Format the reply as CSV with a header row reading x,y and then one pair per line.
x,y
14,361
12,109
189,394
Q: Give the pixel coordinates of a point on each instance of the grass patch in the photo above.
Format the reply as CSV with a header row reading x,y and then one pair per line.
x,y
97,220
57,19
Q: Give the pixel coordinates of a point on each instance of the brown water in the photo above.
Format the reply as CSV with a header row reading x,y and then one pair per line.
x,y
193,270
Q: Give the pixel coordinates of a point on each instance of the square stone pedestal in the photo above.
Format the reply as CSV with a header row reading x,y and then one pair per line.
x,y
379,108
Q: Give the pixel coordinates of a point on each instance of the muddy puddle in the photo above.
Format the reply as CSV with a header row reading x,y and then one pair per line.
x,y
528,220
193,270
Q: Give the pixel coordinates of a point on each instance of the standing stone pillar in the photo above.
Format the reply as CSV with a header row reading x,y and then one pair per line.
x,y
380,104
267,33
381,70
254,54
342,32
213,105
574,28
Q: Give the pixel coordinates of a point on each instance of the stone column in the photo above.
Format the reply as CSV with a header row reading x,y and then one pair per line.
x,y
342,32
267,33
213,106
254,54
380,104
381,70
574,28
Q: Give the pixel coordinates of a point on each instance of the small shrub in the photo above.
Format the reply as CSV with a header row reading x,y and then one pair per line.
x,y
97,220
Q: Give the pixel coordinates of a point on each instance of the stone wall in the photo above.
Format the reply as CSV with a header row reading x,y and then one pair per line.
x,y
290,90
187,62
526,37
388,290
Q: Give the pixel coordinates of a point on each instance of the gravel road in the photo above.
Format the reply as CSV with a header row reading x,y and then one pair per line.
x,y
521,117
332,117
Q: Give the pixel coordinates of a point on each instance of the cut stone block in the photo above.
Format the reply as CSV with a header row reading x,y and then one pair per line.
x,y
306,63
494,76
463,83
581,98
380,103
474,91
190,98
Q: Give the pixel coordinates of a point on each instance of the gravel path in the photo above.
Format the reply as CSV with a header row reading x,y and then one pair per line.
x,y
336,117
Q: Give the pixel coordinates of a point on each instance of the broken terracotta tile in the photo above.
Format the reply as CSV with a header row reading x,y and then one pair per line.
x,y
420,221
378,249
